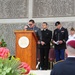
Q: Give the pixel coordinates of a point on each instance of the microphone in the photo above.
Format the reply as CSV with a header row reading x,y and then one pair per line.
x,y
26,27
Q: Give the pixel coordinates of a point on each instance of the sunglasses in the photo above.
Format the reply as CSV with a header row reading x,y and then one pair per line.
x,y
30,24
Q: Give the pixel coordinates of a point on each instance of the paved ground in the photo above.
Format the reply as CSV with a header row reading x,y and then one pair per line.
x,y
41,72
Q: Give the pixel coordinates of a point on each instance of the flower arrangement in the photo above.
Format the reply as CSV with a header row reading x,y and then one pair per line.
x,y
12,66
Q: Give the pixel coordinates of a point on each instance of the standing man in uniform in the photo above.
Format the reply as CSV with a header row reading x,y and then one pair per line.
x,y
45,46
60,36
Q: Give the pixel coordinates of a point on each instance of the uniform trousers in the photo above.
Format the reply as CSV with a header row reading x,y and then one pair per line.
x,y
60,54
44,53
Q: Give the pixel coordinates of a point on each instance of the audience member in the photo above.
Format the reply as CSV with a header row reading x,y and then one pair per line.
x,y
72,34
66,67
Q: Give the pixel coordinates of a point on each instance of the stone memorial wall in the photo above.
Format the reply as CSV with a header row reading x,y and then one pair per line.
x,y
53,8
13,9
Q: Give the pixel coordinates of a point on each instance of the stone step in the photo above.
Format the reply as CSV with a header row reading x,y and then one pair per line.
x,y
40,72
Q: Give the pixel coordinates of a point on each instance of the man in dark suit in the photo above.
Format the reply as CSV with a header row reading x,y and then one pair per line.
x,y
45,46
37,30
66,67
60,37
32,26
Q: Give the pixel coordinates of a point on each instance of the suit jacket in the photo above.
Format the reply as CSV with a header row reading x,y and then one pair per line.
x,y
46,37
61,34
66,67
37,31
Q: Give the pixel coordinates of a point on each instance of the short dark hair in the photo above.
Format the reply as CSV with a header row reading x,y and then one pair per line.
x,y
45,23
57,23
32,21
72,29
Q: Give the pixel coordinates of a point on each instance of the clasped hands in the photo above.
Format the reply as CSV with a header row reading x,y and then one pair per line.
x,y
42,42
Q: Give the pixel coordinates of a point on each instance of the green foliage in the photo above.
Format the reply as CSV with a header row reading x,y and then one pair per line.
x,y
3,43
10,67
32,74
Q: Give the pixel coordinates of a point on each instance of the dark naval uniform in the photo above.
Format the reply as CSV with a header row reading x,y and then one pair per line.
x,y
44,49
60,34
66,67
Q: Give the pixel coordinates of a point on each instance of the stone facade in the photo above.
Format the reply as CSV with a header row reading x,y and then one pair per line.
x,y
53,8
13,9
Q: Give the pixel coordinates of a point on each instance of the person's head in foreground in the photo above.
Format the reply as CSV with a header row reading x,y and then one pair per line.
x,y
66,67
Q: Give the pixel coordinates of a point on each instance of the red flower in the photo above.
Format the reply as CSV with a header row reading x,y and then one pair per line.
x,y
25,66
4,52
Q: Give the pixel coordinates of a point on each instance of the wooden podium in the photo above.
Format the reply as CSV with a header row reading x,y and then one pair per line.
x,y
26,44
